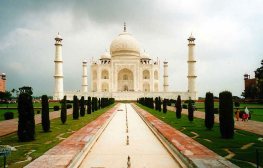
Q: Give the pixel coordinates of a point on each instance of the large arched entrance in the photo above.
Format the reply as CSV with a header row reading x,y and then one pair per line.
x,y
125,80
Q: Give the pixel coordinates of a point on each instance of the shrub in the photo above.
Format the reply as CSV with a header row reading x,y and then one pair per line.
x,y
184,106
190,111
178,107
82,106
89,105
159,104
237,104
165,106
63,114
75,108
69,106
26,118
216,111
8,115
226,120
45,114
56,108
209,110
156,103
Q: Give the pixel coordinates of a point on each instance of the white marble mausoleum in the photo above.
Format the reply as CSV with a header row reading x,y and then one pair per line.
x,y
125,73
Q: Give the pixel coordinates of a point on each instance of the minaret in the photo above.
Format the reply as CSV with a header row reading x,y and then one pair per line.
x,y
59,92
165,76
84,78
191,65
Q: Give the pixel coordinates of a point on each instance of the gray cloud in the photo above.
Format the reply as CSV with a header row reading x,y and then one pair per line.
x,y
228,38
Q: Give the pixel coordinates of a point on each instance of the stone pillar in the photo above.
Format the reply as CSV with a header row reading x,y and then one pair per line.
x,y
58,76
84,78
191,65
165,76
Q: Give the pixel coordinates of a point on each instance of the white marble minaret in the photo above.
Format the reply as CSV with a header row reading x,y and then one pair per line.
x,y
191,65
59,92
84,78
165,76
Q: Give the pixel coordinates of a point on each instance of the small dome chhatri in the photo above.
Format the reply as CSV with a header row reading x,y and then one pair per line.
x,y
105,55
125,43
145,55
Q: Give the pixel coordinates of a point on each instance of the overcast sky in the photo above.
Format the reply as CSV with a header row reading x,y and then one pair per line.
x,y
228,34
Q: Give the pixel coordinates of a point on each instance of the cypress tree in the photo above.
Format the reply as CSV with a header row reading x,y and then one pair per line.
x,y
178,107
164,105
93,104
82,106
159,104
156,103
63,113
209,110
26,118
89,105
99,102
45,114
75,108
226,120
190,110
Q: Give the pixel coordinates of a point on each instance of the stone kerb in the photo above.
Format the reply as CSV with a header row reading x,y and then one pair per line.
x,y
191,151
69,150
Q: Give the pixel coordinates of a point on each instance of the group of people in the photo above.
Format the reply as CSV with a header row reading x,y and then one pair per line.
x,y
244,115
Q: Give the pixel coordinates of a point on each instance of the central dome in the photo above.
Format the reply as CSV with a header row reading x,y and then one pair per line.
x,y
125,44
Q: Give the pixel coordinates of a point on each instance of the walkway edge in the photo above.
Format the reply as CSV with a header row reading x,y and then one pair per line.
x,y
192,152
68,152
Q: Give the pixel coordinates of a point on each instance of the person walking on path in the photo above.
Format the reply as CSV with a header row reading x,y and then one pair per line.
x,y
237,114
246,114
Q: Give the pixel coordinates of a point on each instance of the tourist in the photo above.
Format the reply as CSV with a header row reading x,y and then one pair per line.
x,y
246,114
237,114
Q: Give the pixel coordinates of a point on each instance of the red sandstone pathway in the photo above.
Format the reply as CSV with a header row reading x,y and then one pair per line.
x,y
10,126
250,126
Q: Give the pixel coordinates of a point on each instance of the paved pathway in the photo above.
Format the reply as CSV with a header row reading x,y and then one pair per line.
x,y
250,126
125,137
10,126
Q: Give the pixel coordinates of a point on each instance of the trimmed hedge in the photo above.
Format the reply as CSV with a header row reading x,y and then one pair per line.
x,y
178,107
209,110
45,114
8,115
226,119
63,113
56,108
26,118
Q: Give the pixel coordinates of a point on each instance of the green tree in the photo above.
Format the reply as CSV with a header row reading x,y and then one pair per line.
x,y
82,106
26,118
63,114
226,119
178,107
190,110
209,110
75,108
45,114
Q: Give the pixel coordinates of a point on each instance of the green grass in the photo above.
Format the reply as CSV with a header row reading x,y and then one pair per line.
x,y
14,105
45,141
256,109
217,144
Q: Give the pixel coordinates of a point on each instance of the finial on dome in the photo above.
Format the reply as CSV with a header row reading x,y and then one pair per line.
x,y
124,28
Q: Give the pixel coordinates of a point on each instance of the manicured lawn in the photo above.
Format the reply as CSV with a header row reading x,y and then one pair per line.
x,y
44,141
212,139
256,109
14,105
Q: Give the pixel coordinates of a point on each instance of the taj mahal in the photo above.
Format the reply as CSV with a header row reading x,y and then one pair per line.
x,y
125,73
